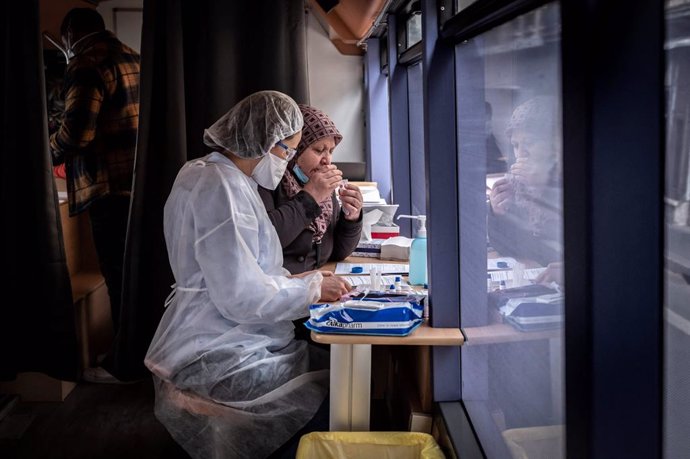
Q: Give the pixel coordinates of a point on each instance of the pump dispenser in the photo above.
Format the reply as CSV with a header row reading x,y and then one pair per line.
x,y
418,274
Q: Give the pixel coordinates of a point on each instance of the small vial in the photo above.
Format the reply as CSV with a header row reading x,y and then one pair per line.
x,y
391,289
398,284
342,187
502,286
373,273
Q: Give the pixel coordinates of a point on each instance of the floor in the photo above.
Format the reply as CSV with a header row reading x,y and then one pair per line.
x,y
98,421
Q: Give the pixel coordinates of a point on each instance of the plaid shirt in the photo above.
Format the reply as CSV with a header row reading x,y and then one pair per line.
x,y
98,135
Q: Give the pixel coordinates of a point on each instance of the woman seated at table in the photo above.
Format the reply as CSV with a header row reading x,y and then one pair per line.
x,y
312,225
525,216
226,335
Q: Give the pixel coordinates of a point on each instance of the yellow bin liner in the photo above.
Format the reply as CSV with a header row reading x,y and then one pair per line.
x,y
366,445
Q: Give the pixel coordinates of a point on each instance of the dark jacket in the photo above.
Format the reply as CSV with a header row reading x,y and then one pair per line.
x,y
538,237
98,135
291,218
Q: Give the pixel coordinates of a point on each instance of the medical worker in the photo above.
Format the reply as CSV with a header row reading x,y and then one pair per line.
x,y
227,334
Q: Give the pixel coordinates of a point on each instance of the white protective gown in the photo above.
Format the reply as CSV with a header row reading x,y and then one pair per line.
x,y
227,335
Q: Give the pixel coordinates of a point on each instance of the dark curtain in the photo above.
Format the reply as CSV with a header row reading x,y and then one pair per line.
x,y
198,59
37,330
237,47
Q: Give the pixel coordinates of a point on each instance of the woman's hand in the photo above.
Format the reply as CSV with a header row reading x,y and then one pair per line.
x,y
322,182
529,171
351,199
501,196
333,287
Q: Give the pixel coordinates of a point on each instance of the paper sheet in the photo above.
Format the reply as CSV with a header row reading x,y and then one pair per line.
x,y
384,268
507,275
366,280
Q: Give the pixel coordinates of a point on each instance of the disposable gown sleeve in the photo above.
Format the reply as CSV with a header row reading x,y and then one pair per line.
x,y
238,286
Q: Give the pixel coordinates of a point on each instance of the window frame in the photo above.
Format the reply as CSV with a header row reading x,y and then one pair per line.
x,y
399,113
606,314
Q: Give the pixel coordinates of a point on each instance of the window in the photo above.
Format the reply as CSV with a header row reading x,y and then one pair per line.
x,y
677,205
462,4
416,129
509,59
509,137
413,29
406,117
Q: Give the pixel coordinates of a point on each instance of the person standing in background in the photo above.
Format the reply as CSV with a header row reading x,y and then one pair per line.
x,y
97,141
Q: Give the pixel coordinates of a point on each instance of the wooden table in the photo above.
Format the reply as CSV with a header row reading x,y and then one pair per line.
x,y
350,373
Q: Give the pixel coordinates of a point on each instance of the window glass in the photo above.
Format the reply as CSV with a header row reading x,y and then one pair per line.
x,y
677,205
413,29
508,83
462,4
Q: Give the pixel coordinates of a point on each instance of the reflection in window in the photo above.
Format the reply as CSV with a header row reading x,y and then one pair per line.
x,y
413,29
511,241
677,204
462,4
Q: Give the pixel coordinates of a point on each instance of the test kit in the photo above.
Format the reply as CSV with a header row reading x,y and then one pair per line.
x,y
369,314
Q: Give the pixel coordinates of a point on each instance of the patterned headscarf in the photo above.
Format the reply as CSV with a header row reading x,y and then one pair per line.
x,y
317,125
539,115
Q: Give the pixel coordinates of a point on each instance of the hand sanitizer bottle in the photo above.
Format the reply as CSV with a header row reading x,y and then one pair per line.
x,y
418,271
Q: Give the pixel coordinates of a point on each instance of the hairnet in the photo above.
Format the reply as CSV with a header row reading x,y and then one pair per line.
x,y
254,125
317,125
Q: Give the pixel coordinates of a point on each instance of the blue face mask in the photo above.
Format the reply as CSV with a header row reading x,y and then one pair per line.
x,y
301,176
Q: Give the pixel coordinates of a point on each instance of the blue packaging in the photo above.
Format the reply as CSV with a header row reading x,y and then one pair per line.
x,y
386,315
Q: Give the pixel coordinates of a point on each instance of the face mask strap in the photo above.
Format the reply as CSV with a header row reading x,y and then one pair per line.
x,y
301,176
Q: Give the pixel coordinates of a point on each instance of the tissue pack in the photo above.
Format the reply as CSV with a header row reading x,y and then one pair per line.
x,y
369,249
381,314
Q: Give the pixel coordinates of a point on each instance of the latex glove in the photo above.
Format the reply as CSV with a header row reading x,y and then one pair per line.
x,y
552,273
333,287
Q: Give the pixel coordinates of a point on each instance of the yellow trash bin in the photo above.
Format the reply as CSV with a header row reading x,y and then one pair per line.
x,y
368,445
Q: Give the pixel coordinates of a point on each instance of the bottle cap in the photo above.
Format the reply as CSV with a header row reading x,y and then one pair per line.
x,y
357,270
397,279
501,264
